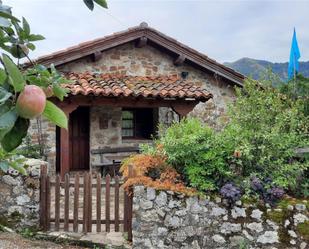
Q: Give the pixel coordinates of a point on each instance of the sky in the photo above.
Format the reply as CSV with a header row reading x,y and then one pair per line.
x,y
225,30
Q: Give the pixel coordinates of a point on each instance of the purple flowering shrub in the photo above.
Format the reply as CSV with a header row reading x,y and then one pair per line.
x,y
231,193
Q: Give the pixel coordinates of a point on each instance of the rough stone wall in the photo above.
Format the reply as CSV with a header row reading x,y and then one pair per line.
x,y
48,137
105,131
129,60
163,219
19,197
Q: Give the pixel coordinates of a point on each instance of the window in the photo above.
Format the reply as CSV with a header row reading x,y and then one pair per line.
x,y
138,123
127,123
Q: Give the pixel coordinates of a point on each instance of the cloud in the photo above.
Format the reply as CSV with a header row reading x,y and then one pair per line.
x,y
224,30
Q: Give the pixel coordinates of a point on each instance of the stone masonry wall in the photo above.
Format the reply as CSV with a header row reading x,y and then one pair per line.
x,y
163,219
48,137
19,196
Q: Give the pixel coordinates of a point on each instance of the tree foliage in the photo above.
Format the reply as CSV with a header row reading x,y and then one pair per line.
x,y
16,40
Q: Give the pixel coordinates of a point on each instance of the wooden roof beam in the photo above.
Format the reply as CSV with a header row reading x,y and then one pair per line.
x,y
96,56
142,42
179,60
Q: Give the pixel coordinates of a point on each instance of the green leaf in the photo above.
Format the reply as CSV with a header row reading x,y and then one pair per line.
x,y
3,76
55,115
4,166
102,3
15,136
4,95
32,38
89,4
7,121
7,15
59,92
5,108
6,18
15,76
31,46
26,27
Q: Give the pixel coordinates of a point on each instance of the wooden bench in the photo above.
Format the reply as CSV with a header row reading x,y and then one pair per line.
x,y
112,167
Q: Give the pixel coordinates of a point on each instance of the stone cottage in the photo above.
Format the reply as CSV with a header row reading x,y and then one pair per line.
x,y
123,86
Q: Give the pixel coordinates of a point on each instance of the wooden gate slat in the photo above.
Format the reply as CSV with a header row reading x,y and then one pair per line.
x,y
125,211
98,202
89,223
116,204
48,202
85,201
107,203
66,201
76,203
57,202
43,197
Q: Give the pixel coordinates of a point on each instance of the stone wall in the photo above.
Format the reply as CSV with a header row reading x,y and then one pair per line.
x,y
44,130
163,219
20,196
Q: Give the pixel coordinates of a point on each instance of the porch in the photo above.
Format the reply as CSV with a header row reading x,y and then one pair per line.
x,y
107,111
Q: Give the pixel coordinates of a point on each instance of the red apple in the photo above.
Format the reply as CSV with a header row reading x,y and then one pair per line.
x,y
31,102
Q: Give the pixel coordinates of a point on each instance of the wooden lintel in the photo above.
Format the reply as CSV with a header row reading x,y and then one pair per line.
x,y
141,42
122,102
96,56
179,60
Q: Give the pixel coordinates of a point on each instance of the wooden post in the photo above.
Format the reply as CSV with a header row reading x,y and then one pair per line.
x,y
107,203
85,201
128,202
64,142
43,195
76,202
57,203
89,210
116,203
48,200
66,202
99,202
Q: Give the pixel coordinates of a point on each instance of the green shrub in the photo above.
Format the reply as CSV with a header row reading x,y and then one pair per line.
x,y
269,126
265,128
194,151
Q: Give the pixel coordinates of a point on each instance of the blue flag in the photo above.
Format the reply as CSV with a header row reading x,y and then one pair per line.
x,y
294,57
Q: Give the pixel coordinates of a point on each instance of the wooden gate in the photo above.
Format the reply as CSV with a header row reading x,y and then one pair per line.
x,y
83,203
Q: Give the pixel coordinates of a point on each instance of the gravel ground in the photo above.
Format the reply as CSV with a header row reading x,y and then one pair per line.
x,y
16,241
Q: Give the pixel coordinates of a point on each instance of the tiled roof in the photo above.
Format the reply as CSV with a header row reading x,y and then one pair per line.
x,y
134,34
135,86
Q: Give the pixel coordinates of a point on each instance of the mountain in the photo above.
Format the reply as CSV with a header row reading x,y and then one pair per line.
x,y
256,68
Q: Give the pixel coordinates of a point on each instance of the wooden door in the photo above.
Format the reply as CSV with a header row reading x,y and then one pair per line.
x,y
79,139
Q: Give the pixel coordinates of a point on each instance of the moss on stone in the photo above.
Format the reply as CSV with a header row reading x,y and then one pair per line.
x,y
303,229
12,220
276,216
284,203
284,236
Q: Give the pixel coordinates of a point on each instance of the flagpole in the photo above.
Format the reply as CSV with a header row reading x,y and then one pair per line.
x,y
295,77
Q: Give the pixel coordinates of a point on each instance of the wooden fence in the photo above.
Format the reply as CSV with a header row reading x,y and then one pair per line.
x,y
85,192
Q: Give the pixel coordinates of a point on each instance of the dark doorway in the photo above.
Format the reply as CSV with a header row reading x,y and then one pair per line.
x,y
79,125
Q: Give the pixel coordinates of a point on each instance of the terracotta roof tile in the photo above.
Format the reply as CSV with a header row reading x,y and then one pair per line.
x,y
134,86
